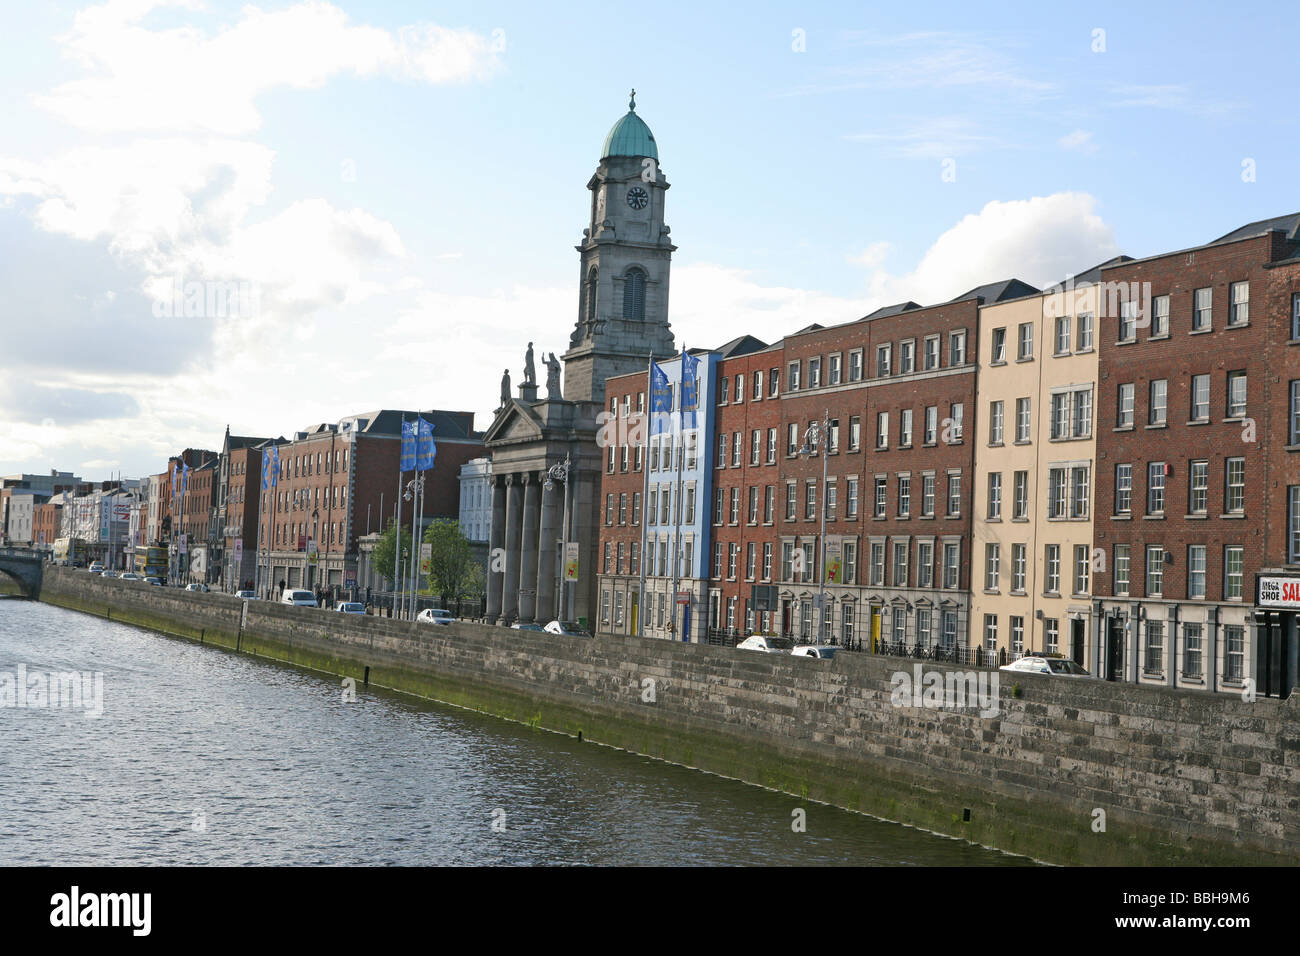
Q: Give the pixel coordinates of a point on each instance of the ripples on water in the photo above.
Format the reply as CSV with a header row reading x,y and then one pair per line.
x,y
285,772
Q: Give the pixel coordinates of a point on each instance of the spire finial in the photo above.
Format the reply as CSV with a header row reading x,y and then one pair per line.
x,y
631,103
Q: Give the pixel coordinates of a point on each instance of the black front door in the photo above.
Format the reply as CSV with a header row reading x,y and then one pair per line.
x,y
1076,640
1275,670
1115,648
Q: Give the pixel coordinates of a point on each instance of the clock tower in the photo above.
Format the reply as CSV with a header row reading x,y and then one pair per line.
x,y
624,258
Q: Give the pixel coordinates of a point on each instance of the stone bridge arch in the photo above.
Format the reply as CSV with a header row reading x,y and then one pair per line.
x,y
24,566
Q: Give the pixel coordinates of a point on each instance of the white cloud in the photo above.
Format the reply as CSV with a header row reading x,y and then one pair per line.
x,y
1170,96
188,79
937,138
1079,139
1038,240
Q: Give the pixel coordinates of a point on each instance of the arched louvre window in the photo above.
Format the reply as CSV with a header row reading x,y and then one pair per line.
x,y
634,294
591,296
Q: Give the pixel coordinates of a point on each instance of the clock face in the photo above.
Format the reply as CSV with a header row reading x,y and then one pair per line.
x,y
637,197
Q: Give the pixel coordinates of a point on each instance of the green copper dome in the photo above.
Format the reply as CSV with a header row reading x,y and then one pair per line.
x,y
630,136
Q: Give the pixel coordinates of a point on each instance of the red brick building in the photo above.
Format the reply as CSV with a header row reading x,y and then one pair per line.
x,y
747,457
621,497
339,480
1192,417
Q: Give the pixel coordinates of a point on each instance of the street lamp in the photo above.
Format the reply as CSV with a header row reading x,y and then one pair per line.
x,y
815,437
560,472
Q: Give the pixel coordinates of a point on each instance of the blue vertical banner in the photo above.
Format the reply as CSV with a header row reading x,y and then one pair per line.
x,y
275,465
690,388
661,398
425,448
266,468
185,477
270,467
408,447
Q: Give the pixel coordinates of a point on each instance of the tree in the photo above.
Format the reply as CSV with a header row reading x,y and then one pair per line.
x,y
382,557
451,558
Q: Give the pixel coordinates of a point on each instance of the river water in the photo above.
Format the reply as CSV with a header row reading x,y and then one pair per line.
x,y
202,756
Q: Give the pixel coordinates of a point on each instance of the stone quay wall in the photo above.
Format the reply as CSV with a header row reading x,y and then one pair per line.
x,y
1176,777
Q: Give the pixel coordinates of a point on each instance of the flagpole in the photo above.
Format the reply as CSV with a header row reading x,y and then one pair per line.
x,y
397,548
645,492
677,485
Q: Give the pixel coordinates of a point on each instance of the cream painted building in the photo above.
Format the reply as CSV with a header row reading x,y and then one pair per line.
x,y
1033,558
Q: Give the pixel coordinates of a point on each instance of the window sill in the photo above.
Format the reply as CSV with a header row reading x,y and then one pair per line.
x,y
926,517
1088,351
1132,341
1198,421
992,591
1020,520
1051,594
1195,517
1293,341
1061,354
1232,517
997,363
1201,331
1238,325
992,520
1234,420
905,447
1027,358
1156,425
1018,592
1158,338
995,444
1022,441
1122,428
1153,517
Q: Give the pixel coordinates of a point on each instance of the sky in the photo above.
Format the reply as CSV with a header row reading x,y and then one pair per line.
x,y
390,193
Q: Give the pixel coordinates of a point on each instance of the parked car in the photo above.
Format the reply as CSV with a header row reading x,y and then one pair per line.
x,y
351,607
435,615
1052,666
527,627
298,598
155,581
246,595
198,587
566,628
96,568
823,651
108,574
131,576
770,645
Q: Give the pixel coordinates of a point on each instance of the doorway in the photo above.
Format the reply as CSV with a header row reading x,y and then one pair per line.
x,y
1276,667
1076,640
1115,648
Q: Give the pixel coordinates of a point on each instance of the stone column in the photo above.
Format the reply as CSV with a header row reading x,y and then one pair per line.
x,y
497,542
528,549
552,515
514,518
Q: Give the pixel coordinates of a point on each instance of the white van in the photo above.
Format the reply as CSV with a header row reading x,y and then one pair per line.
x,y
298,597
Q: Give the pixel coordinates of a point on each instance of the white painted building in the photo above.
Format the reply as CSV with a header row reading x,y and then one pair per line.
x,y
476,499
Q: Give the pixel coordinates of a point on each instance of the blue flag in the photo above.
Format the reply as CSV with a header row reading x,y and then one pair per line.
x,y
185,477
661,397
690,388
270,467
425,449
407,462
175,486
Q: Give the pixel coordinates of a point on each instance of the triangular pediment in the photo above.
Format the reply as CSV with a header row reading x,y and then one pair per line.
x,y
515,422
